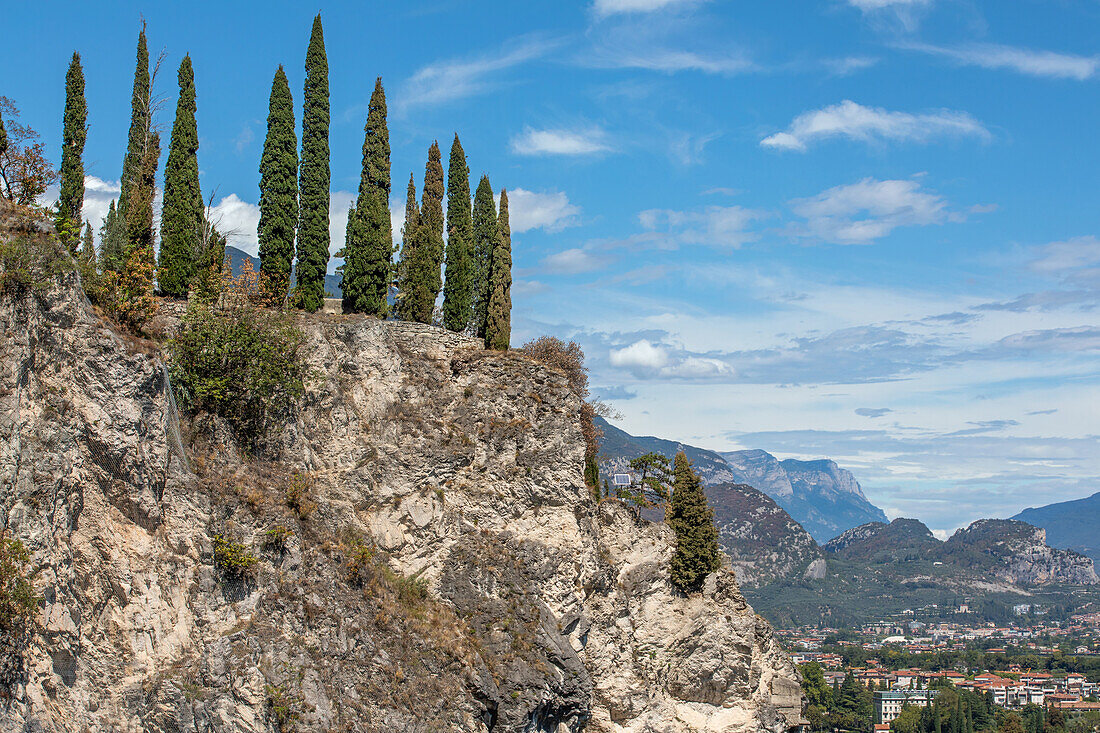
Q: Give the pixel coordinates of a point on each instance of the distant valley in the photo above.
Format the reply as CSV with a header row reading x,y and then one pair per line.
x,y
808,547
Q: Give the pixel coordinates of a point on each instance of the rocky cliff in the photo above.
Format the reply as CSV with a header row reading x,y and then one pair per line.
x,y
1018,553
427,555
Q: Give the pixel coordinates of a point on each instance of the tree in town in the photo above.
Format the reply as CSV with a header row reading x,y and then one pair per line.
x,y
70,202
314,177
457,282
25,173
498,325
692,519
181,218
369,244
485,239
278,191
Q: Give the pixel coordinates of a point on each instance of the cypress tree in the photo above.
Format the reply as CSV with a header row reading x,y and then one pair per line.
x,y
406,298
498,328
314,177
431,230
70,203
485,240
115,243
692,519
87,248
369,244
457,285
278,190
422,252
182,214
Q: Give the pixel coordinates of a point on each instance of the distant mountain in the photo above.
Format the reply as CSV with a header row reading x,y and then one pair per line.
x,y
823,497
1070,525
875,542
618,447
238,257
763,542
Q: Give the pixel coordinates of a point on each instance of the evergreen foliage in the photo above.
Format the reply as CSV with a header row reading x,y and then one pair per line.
x,y
70,203
498,327
87,247
278,190
692,519
406,268
457,305
314,177
431,229
369,244
422,251
181,217
484,241
115,244
112,239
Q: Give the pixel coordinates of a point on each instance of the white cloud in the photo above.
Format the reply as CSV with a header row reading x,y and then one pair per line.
x,y
849,64
641,354
604,8
868,5
714,226
560,142
1070,254
862,212
448,81
873,124
550,211
572,262
673,60
237,220
1023,60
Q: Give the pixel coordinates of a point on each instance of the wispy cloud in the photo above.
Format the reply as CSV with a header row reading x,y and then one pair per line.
x,y
561,141
714,226
550,211
873,124
1023,60
849,64
860,213
574,261
905,12
872,411
604,8
447,81
646,360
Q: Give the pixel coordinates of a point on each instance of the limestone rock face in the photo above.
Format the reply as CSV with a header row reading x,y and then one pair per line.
x,y
459,468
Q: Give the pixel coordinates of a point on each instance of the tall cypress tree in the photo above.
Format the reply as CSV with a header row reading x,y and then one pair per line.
x,y
406,267
431,229
692,519
369,244
114,248
498,328
421,265
182,213
278,190
70,203
314,177
457,290
485,240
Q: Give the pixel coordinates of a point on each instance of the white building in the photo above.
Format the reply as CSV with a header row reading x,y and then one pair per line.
x,y
888,704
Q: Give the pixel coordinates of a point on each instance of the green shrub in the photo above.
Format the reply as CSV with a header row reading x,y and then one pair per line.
x,y
276,537
234,559
243,364
284,707
31,262
17,597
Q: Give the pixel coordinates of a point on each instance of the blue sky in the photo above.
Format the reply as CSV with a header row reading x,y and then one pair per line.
x,y
862,229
